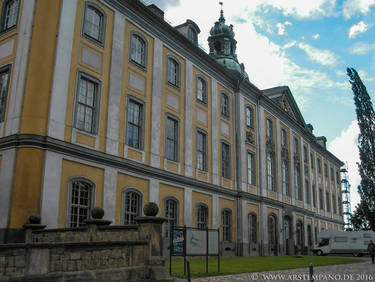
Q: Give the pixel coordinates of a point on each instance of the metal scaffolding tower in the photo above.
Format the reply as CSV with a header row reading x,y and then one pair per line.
x,y
345,190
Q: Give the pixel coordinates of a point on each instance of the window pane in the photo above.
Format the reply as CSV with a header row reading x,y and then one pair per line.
x,y
4,79
10,14
93,23
172,135
138,50
134,124
80,203
132,202
86,107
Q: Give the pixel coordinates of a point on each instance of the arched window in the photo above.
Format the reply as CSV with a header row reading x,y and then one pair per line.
x,y
132,205
171,214
253,228
224,103
309,235
299,234
272,233
173,68
138,49
226,217
201,90
202,216
192,35
285,177
249,117
270,170
9,15
81,200
94,22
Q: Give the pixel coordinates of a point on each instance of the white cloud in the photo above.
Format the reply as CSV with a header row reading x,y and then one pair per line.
x,y
281,27
303,9
322,57
362,48
353,7
316,36
340,73
289,45
346,149
357,29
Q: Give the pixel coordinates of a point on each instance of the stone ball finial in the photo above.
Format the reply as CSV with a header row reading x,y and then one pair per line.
x,y
34,219
97,212
151,209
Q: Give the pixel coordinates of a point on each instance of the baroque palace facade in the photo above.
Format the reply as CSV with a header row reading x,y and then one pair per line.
x,y
104,103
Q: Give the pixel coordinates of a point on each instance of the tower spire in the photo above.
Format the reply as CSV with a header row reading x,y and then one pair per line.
x,y
221,19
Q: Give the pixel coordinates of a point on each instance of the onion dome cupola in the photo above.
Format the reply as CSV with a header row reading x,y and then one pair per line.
x,y
223,45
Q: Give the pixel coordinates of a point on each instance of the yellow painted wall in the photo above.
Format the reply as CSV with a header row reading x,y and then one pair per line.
x,y
103,74
178,193
71,170
144,75
222,136
228,204
128,181
40,67
27,185
207,127
177,113
201,198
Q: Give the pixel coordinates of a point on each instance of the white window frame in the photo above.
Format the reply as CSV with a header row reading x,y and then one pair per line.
x,y
100,37
130,213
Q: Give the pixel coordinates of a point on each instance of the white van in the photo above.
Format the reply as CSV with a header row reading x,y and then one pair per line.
x,y
343,242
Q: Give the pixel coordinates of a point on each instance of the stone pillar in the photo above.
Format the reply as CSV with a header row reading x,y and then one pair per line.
x,y
150,229
33,223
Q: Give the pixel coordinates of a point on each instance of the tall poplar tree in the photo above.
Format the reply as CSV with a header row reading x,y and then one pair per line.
x,y
366,146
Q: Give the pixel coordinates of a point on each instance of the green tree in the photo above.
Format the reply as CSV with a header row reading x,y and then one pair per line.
x,y
366,146
358,218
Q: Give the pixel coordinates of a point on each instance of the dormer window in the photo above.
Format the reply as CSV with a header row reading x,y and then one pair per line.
x,y
192,35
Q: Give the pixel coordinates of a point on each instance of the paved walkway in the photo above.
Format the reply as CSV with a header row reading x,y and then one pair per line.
x,y
345,272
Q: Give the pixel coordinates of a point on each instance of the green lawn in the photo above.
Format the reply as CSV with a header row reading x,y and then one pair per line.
x,y
252,264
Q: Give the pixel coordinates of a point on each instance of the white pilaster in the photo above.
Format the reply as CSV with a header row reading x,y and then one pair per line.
x,y
154,191
215,211
115,85
215,141
188,208
189,132
50,198
59,93
109,193
6,184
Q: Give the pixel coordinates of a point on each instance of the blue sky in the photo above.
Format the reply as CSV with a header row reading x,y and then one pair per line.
x,y
306,45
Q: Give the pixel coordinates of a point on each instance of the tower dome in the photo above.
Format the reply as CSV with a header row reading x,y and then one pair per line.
x,y
223,46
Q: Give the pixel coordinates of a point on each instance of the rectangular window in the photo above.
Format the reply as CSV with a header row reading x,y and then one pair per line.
x,y
283,138
94,23
328,200
269,128
202,217
339,205
226,223
9,15
173,72
332,175
171,146
312,161
321,200
334,204
201,150
314,195
325,170
305,155
297,183
307,192
224,104
250,168
225,160
87,105
319,166
138,49
296,150
134,130
4,85
285,177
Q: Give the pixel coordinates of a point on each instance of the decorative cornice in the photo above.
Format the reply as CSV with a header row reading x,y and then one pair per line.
x,y
74,150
